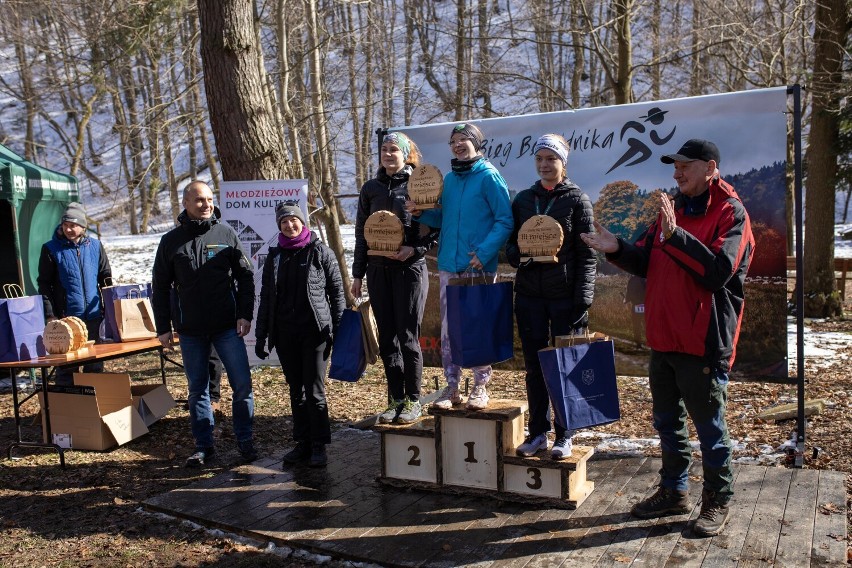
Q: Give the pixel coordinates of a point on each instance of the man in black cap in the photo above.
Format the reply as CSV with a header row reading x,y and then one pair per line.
x,y
695,257
71,269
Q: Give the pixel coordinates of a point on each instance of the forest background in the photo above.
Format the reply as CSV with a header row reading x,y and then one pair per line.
x,y
136,97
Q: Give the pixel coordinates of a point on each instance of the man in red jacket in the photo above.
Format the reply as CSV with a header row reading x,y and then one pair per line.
x,y
695,257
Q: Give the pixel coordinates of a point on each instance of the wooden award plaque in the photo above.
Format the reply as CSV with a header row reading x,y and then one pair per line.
x,y
384,233
425,186
58,337
81,334
539,239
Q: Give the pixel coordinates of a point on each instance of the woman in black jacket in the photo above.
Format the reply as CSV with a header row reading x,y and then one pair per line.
x,y
551,298
301,304
397,284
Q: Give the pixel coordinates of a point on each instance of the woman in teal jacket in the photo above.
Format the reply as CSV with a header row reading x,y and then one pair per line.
x,y
475,219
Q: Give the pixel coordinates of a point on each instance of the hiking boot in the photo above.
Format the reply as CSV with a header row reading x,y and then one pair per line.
x,y
200,457
411,411
664,502
301,453
318,456
714,515
391,413
248,453
562,448
478,398
449,398
531,445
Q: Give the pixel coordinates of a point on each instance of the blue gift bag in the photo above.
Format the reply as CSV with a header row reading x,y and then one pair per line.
x,y
348,360
581,383
21,328
119,292
479,323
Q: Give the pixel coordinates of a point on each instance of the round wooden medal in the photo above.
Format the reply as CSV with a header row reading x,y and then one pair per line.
x,y
540,238
78,326
425,185
384,233
58,337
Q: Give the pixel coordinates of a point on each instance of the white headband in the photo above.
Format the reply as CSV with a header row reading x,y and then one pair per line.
x,y
555,145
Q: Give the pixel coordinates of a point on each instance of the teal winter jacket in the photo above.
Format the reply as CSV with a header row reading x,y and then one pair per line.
x,y
475,216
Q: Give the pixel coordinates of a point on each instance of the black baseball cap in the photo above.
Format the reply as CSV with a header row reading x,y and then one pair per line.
x,y
695,149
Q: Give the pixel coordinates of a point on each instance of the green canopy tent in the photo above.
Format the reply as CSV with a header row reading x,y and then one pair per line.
x,y
32,200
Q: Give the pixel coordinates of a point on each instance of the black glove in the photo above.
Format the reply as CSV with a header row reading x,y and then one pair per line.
x,y
258,348
580,320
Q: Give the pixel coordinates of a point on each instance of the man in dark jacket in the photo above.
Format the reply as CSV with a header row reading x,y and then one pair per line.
x,y
695,257
213,304
71,269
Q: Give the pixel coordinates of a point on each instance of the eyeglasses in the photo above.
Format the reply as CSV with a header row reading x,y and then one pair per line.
x,y
459,140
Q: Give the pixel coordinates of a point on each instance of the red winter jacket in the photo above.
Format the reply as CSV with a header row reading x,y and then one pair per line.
x,y
695,291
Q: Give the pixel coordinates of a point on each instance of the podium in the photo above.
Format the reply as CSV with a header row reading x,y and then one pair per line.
x,y
474,452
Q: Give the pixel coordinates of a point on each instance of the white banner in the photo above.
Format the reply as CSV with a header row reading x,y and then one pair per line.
x,y
625,142
249,208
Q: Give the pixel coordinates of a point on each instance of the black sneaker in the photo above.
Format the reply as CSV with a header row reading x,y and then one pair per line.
x,y
664,502
301,453
318,456
714,515
200,457
248,453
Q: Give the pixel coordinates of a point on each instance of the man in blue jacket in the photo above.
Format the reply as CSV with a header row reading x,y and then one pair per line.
x,y
213,282
71,269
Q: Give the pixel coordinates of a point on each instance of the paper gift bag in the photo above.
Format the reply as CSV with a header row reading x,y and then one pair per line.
x,y
370,332
21,326
134,319
479,323
119,292
348,360
581,383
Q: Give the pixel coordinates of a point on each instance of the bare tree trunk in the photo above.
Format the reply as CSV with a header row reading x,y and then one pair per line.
x,y
831,26
329,214
624,77
461,49
240,110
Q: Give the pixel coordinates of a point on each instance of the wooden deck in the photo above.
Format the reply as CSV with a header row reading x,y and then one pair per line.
x,y
779,517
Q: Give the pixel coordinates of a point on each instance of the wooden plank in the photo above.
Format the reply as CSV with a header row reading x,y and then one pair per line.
x,y
195,501
632,537
544,549
595,514
761,541
729,544
797,526
593,545
499,410
829,542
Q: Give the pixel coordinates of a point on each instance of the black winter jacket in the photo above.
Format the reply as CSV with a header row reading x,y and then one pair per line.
x,y
213,281
574,275
388,193
321,277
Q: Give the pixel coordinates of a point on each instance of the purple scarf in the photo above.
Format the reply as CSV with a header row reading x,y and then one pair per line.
x,y
298,242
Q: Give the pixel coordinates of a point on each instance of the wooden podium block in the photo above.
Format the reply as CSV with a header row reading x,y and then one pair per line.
x,y
469,452
456,450
408,451
562,480
473,442
535,481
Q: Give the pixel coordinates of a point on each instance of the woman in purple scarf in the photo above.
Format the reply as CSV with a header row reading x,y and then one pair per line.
x,y
301,303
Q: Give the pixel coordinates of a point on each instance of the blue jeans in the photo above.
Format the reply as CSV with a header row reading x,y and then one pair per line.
x,y
231,348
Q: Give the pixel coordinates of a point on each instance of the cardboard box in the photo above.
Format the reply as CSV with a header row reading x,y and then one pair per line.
x,y
103,410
